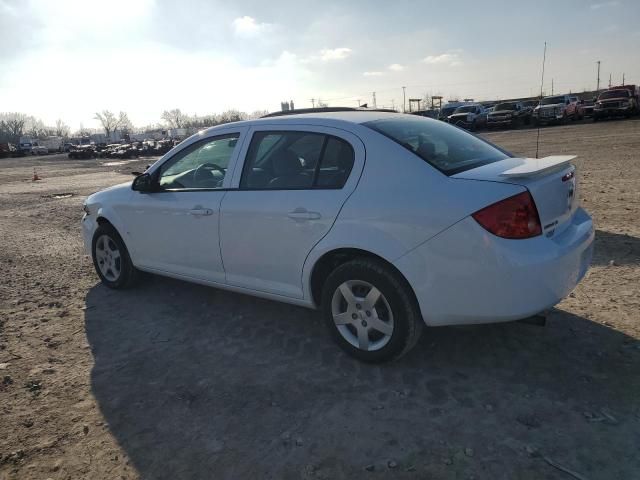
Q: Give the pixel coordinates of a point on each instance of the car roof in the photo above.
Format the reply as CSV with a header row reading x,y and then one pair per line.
x,y
337,119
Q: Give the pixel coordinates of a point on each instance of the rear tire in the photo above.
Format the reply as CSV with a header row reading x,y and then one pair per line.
x,y
371,311
111,258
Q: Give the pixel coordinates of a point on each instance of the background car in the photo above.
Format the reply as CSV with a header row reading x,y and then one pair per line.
x,y
509,114
471,116
39,150
616,102
436,227
555,109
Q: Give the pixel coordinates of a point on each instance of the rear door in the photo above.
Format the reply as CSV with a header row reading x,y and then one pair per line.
x,y
291,187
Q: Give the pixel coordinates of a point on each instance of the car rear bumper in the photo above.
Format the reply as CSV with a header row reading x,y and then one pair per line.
x,y
466,275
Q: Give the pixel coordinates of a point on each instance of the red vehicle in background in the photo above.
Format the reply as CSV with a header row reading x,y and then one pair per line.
x,y
616,101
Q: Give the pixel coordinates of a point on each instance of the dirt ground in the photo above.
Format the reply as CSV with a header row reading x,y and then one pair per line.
x,y
172,380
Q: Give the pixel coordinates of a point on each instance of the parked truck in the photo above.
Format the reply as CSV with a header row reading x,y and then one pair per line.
x,y
616,102
53,144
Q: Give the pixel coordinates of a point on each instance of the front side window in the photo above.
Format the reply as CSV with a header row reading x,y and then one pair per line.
x,y
447,148
203,164
296,160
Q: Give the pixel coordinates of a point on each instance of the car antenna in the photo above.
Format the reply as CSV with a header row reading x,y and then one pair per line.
x,y
544,58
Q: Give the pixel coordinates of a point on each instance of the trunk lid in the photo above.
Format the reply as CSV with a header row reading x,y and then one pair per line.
x,y
551,181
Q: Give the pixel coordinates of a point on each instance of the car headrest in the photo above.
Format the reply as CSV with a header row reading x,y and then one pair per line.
x,y
286,163
426,149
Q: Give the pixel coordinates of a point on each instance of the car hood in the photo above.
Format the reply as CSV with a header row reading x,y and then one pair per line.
x,y
117,191
616,99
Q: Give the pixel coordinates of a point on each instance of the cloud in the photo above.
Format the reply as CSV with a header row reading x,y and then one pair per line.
x,y
449,59
329,54
396,67
372,74
598,6
248,27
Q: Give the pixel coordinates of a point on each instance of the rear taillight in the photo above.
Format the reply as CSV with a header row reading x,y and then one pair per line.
x,y
513,217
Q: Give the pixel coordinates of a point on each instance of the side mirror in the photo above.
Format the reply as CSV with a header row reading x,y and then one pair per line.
x,y
142,183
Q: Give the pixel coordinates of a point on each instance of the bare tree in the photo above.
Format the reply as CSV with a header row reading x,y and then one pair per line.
x,y
62,129
12,125
231,116
258,114
111,123
175,118
35,128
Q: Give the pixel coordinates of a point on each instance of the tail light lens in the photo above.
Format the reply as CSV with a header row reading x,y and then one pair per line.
x,y
513,217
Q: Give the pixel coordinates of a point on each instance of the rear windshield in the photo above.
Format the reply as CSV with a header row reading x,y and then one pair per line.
x,y
449,149
615,94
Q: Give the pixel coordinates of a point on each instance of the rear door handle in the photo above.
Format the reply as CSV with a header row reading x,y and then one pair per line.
x,y
200,212
303,214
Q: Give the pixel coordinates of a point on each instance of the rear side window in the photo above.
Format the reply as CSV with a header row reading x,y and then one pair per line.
x,y
447,148
296,160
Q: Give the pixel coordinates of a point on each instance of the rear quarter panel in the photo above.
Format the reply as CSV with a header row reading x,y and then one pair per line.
x,y
400,203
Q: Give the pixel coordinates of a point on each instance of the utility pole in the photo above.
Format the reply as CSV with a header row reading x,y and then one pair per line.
x,y
374,100
404,99
313,102
359,103
598,83
623,79
552,86
609,80
393,104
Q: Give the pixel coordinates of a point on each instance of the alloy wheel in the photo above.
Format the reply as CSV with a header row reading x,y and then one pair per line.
x,y
108,258
362,315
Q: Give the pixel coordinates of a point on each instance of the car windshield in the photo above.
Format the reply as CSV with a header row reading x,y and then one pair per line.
x,y
447,148
505,106
551,100
448,110
466,109
614,94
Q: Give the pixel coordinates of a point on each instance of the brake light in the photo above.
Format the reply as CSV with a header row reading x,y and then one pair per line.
x,y
514,217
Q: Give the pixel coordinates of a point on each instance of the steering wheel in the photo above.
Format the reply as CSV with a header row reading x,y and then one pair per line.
x,y
206,167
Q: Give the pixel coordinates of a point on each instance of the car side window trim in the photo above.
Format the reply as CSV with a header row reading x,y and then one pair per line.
x,y
327,137
179,155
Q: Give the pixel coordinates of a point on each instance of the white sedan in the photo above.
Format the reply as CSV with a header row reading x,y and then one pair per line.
x,y
386,222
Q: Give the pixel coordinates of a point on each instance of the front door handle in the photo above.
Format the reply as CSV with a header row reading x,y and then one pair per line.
x,y
303,214
197,212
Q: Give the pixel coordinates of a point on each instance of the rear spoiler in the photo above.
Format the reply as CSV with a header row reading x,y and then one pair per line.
x,y
536,166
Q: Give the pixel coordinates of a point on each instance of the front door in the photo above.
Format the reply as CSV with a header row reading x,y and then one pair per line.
x,y
175,229
291,188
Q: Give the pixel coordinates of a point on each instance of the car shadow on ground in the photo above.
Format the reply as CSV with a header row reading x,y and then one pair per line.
x,y
196,383
621,248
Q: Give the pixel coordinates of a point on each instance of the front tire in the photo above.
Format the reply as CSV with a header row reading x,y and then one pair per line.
x,y
371,311
111,258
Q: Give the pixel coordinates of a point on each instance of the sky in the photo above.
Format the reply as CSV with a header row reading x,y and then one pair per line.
x,y
71,58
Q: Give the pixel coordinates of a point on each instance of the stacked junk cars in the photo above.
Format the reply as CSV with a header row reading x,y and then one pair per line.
x,y
148,148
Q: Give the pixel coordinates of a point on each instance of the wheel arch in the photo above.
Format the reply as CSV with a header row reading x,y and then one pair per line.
x,y
332,259
106,217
